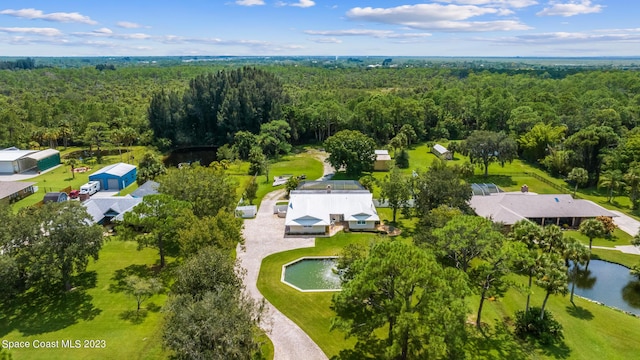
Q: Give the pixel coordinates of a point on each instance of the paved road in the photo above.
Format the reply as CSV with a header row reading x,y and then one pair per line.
x,y
264,235
626,223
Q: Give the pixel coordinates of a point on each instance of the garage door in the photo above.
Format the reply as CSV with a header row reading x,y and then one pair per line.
x,y
6,167
114,184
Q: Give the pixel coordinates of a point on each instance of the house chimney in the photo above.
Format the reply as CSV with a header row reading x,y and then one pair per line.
x,y
328,189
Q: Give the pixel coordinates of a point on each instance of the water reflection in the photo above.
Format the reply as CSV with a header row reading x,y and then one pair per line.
x,y
610,284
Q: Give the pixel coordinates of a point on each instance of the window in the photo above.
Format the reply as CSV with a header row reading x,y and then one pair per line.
x,y
307,226
362,222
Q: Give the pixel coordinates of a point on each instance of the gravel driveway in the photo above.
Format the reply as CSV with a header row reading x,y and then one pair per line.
x,y
264,235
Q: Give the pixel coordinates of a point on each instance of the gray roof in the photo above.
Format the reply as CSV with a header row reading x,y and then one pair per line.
x,y
43,154
148,188
116,206
8,188
13,154
511,207
118,169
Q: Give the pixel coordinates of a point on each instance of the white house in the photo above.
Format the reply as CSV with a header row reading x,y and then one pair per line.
x,y
315,211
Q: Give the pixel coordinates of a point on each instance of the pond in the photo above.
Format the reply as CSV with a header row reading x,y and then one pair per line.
x,y
205,155
610,284
312,274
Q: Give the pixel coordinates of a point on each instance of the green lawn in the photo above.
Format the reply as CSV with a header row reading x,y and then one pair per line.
x,y
92,311
619,237
616,256
591,331
309,310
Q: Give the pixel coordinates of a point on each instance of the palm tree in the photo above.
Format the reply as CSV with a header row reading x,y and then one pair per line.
x,y
531,235
612,180
592,228
580,176
632,180
552,278
577,253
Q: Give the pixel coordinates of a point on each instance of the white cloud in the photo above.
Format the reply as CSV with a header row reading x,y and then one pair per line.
x,y
304,3
571,8
103,31
437,17
516,4
128,25
328,40
570,38
33,14
36,31
249,2
380,34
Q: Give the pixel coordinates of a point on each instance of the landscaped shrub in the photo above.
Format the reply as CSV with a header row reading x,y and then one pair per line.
x,y
402,160
546,331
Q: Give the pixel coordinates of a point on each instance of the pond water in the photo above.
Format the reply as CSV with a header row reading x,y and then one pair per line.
x,y
610,284
203,154
312,274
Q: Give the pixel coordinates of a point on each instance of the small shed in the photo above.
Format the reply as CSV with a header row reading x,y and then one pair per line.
x,y
44,160
441,152
383,160
55,197
248,211
115,177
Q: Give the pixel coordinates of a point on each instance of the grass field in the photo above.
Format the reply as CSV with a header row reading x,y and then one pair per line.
x,y
95,310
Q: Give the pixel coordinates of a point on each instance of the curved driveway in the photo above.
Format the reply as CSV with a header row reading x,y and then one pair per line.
x,y
264,235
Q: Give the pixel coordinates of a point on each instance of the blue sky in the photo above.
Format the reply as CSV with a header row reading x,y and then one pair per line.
x,y
319,27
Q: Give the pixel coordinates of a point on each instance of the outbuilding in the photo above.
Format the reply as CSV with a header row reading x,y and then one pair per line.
x,y
55,197
115,177
13,161
383,160
441,152
43,160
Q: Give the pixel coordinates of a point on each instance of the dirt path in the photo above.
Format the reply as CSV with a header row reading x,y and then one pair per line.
x,y
264,235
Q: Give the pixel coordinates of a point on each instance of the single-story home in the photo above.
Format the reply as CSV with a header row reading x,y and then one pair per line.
x,y
13,161
315,211
12,191
543,209
115,177
441,152
104,210
150,187
382,161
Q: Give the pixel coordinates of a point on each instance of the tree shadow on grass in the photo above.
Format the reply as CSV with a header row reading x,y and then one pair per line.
x,y
559,350
496,343
38,312
133,316
119,276
579,312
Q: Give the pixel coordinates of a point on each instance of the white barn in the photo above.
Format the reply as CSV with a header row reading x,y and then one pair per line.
x,y
315,211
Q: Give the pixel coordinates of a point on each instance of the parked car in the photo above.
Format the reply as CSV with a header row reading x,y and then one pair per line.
x,y
73,194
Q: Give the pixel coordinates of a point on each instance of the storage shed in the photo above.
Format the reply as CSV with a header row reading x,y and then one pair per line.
x,y
43,160
441,152
55,197
383,160
115,177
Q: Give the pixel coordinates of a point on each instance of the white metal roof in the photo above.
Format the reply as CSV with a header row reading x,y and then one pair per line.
x,y
99,207
511,207
315,208
118,169
382,152
43,154
13,154
440,149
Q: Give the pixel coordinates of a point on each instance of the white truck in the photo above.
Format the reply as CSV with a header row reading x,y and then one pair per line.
x,y
90,188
